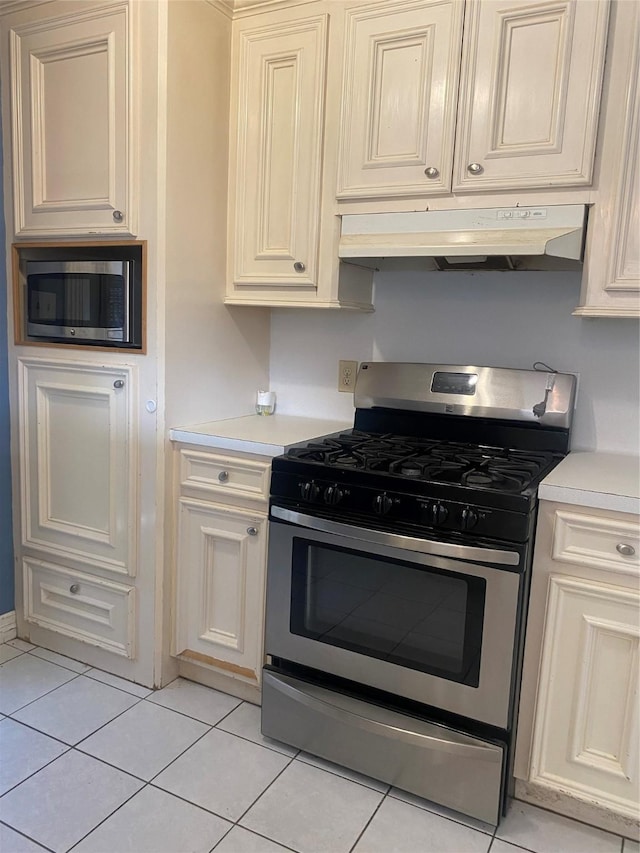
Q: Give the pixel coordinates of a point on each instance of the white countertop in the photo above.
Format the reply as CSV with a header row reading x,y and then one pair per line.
x,y
265,435
595,479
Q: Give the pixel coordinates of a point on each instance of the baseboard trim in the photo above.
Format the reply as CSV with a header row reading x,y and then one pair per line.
x,y
8,626
562,802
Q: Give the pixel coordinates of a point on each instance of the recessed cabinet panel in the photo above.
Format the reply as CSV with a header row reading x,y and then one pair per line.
x,y
400,89
530,93
587,726
281,75
624,267
78,459
611,278
71,125
83,607
220,584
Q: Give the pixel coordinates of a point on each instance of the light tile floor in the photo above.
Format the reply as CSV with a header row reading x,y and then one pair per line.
x,y
95,764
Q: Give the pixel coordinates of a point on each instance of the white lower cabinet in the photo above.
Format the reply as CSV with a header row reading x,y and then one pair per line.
x,y
586,733
81,606
579,727
221,563
77,440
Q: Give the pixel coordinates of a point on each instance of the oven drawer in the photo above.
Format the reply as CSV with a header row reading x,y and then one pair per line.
x,y
459,771
612,544
219,475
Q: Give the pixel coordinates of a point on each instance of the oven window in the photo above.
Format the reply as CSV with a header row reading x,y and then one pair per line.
x,y
412,615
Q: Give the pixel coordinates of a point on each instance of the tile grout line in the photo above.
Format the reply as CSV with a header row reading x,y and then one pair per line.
x,y
24,835
364,828
53,689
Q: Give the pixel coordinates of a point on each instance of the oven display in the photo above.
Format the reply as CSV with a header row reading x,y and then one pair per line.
x,y
454,383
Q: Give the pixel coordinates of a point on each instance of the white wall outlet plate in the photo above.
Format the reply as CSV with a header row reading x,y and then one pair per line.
x,y
347,371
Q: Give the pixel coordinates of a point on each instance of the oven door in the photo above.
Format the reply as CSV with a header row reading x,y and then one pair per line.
x,y
431,621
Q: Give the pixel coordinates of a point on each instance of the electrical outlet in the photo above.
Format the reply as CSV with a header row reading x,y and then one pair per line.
x,y
347,375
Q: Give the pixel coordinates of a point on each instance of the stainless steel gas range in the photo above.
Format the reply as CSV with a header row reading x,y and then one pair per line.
x,y
398,577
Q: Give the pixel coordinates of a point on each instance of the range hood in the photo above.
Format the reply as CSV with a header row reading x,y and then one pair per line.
x,y
550,237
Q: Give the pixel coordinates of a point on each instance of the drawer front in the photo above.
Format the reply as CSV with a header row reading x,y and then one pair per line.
x,y
84,607
228,476
600,543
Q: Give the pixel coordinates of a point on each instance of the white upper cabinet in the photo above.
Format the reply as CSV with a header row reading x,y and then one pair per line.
x,y
611,279
529,94
279,72
71,124
517,87
400,91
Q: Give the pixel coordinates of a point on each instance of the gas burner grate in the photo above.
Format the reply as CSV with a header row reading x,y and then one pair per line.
x,y
475,466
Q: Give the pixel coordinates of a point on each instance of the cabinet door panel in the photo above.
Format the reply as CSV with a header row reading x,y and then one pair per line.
x,y
530,93
586,730
78,463
71,125
400,88
220,585
83,607
611,277
278,160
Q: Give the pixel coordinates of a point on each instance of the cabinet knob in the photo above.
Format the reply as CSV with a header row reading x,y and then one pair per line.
x,y
299,266
119,383
74,588
625,550
223,476
475,168
117,216
432,172
252,531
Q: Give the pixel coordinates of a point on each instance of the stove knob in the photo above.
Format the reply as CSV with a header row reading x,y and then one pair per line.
x,y
309,491
469,518
333,495
438,513
382,504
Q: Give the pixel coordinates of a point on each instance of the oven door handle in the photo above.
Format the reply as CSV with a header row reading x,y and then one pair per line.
x,y
383,722
396,540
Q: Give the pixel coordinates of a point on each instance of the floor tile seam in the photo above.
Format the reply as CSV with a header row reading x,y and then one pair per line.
x,y
186,749
87,674
33,654
262,793
95,731
24,835
491,834
109,765
31,775
364,828
257,743
13,657
189,716
512,843
93,828
259,834
183,799
53,689
345,778
39,731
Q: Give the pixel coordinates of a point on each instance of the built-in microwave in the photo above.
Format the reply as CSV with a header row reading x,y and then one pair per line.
x,y
87,295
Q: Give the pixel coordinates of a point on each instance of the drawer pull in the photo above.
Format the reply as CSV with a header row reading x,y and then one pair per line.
x,y
74,588
625,550
252,531
223,476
